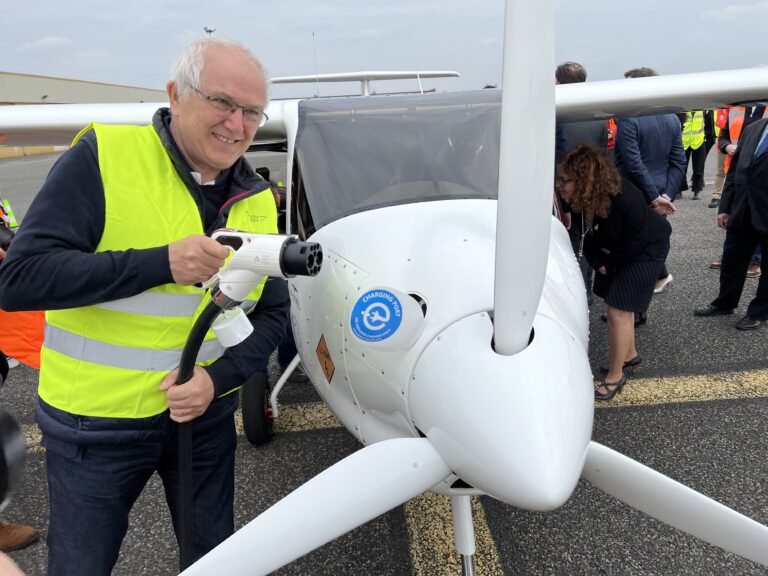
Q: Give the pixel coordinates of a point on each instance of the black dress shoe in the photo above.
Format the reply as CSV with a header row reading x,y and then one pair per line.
x,y
710,310
639,318
749,323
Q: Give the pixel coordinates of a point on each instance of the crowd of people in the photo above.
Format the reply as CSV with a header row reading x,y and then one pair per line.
x,y
615,203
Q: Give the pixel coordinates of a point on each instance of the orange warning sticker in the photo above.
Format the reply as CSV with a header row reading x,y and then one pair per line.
x,y
324,356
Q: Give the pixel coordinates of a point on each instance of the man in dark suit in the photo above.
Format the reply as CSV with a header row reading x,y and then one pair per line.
x,y
649,153
743,213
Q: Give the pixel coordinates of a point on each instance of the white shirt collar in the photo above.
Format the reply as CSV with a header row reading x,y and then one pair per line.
x,y
198,178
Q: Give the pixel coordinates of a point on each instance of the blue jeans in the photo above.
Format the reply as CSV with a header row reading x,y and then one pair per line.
x,y
94,482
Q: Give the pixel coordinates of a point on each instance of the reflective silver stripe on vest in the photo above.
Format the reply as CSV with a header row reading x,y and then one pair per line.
x,y
127,357
156,304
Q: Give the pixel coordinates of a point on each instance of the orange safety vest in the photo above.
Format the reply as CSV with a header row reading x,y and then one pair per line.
x,y
21,333
735,124
612,129
721,117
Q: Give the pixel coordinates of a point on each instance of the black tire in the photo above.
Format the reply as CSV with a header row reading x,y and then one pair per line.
x,y
257,413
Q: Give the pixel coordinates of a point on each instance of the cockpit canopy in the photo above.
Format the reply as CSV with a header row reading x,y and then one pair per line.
x,y
357,154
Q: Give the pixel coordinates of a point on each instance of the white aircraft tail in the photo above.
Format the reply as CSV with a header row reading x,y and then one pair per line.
x,y
359,488
675,504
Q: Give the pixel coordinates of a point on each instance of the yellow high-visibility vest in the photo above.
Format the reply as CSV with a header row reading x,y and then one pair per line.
x,y
693,130
107,360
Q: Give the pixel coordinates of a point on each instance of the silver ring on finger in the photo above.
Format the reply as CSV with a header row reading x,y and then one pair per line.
x,y
182,411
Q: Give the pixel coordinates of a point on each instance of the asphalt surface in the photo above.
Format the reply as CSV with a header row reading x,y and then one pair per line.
x,y
716,446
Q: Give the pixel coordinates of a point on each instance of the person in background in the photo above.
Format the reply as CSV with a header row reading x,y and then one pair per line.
x,y
736,119
12,536
625,241
112,248
720,117
8,227
743,214
568,136
649,153
698,138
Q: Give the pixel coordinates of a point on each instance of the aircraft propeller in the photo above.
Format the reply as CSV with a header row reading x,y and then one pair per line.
x,y
353,491
675,504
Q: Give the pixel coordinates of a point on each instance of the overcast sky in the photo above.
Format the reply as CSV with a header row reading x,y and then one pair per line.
x,y
134,42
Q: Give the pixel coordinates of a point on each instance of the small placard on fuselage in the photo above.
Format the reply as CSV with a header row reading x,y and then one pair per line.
x,y
324,356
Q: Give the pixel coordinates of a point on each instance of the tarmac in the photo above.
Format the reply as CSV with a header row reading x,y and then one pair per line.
x,y
696,411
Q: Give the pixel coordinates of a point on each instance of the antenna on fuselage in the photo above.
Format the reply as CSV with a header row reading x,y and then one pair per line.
x,y
314,53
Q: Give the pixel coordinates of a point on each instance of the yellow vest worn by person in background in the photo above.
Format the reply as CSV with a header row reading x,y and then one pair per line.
x,y
108,360
693,130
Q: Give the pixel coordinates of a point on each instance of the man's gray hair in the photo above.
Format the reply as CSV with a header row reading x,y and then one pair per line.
x,y
188,68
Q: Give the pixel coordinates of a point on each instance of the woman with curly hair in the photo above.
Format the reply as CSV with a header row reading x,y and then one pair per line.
x,y
624,240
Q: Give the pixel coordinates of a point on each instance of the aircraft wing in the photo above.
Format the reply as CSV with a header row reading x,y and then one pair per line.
x,y
57,124
660,94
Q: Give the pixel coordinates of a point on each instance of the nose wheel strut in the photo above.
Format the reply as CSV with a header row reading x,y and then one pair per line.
x,y
464,531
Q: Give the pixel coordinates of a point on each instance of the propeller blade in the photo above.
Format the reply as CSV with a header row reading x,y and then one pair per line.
x,y
675,504
526,171
355,490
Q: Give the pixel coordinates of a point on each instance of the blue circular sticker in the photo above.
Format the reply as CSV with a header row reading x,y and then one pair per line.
x,y
376,316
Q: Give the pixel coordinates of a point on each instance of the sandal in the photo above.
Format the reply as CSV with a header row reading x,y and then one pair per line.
x,y
630,365
611,388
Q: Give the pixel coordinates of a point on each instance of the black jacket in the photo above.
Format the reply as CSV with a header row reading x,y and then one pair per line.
x,y
746,185
631,232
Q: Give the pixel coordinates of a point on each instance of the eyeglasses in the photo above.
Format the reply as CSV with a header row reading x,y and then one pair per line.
x,y
226,105
560,181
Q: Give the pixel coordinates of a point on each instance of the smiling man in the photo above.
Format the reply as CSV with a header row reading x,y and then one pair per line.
x,y
112,247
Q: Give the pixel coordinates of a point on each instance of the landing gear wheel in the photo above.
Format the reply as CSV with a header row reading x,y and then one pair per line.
x,y
257,413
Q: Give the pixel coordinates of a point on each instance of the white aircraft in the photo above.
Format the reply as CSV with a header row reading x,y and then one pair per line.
x,y
446,291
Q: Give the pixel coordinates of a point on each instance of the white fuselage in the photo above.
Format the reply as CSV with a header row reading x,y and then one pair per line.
x,y
516,427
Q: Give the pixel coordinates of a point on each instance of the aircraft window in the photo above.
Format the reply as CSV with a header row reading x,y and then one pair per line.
x,y
359,154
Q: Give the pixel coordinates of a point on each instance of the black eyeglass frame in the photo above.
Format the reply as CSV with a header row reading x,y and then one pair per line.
x,y
223,104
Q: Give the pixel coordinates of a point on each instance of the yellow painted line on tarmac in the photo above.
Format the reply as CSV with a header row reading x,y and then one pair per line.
x,y
309,416
697,388
433,549
299,418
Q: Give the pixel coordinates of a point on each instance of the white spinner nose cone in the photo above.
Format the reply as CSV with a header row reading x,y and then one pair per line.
x,y
516,427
